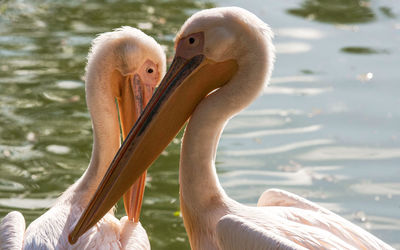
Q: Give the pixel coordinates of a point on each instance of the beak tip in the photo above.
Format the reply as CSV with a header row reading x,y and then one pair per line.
x,y
71,239
74,236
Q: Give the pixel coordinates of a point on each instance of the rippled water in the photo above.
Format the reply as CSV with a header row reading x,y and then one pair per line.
x,y
327,128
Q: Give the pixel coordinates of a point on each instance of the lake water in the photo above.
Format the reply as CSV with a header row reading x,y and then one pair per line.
x,y
327,127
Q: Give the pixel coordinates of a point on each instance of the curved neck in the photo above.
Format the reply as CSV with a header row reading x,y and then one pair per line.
x,y
199,184
197,176
106,133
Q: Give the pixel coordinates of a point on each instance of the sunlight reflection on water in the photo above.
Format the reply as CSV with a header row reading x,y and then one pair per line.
x,y
350,153
279,149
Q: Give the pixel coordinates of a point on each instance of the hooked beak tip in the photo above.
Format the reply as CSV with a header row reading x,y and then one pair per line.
x,y
71,239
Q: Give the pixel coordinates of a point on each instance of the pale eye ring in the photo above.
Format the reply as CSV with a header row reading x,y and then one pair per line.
x,y
150,70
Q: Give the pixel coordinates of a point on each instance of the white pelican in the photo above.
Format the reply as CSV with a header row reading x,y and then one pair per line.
x,y
224,56
123,65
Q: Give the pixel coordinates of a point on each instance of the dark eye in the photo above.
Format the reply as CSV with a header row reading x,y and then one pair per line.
x,y
150,70
191,40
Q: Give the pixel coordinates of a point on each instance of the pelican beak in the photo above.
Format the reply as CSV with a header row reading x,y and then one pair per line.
x,y
135,94
186,83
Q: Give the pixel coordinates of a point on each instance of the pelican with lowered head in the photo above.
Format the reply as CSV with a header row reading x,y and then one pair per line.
x,y
223,58
124,67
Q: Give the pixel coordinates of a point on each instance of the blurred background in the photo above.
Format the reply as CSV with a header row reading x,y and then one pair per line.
x,y
326,128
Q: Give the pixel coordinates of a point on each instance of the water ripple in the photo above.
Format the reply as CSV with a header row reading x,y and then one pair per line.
x,y
378,188
286,131
292,48
261,123
69,84
8,185
267,178
295,91
350,153
301,33
279,149
280,112
58,149
291,79
20,153
24,203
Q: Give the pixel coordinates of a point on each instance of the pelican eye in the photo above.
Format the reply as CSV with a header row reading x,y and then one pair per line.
x,y
191,40
150,70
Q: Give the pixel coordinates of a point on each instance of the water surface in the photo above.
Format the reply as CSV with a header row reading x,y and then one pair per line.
x,y
326,128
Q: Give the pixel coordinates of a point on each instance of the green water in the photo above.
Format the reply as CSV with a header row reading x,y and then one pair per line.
x,y
327,128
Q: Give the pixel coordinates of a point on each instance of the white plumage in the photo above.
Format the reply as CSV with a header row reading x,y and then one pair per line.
x,y
248,235
291,222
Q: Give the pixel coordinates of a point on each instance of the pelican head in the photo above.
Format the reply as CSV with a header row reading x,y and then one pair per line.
x,y
119,62
223,34
215,50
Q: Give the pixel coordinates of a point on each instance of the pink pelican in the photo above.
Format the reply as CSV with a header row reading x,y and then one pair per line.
x,y
224,56
124,66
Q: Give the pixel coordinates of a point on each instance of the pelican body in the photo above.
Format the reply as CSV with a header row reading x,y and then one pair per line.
x,y
223,58
124,66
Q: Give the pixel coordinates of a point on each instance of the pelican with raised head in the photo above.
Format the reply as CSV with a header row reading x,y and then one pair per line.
x,y
224,56
124,67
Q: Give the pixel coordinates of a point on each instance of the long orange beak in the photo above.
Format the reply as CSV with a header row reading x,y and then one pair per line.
x,y
140,93
186,83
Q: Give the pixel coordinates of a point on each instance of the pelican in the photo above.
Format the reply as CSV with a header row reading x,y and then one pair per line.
x,y
223,58
124,67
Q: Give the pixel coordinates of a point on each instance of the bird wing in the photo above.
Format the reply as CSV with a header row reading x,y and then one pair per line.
x,y
308,218
278,197
12,229
234,232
